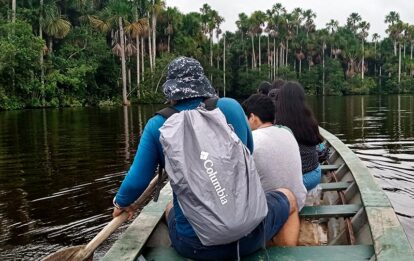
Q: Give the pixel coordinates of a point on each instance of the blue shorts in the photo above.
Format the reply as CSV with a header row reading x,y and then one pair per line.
x,y
191,247
312,178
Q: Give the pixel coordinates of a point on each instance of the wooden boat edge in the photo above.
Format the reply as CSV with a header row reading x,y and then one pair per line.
x,y
389,238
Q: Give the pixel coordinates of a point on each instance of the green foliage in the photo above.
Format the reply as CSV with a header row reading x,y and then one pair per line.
x,y
19,64
82,67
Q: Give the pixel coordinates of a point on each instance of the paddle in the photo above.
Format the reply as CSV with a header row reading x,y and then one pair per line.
x,y
85,252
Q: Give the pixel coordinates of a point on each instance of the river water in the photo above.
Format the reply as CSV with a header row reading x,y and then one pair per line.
x,y
60,168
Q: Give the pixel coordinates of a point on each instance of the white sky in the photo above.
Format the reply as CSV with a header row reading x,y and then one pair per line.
x,y
373,11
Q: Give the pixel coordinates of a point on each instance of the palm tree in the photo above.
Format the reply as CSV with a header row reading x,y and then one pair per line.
x,y
172,15
243,26
54,24
352,22
332,27
116,13
323,37
208,26
157,6
258,19
309,15
137,29
392,18
364,27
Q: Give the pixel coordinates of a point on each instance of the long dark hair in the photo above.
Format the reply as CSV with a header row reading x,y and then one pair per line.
x,y
293,112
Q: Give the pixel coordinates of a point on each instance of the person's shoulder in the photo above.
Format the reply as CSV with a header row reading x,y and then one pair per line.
x,y
155,122
227,102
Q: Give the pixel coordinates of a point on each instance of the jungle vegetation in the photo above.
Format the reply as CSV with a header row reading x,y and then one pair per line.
x,y
56,53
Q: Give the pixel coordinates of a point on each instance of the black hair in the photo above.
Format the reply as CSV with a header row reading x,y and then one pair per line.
x,y
293,112
260,105
278,83
264,88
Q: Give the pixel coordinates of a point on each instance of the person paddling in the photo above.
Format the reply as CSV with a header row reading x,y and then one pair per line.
x,y
189,91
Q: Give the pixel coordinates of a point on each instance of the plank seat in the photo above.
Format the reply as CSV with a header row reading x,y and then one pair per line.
x,y
332,253
328,211
325,168
334,186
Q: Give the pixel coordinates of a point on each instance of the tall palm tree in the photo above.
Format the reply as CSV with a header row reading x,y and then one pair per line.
x,y
157,7
364,27
323,37
309,15
352,22
392,18
137,29
54,24
258,19
243,27
116,13
332,27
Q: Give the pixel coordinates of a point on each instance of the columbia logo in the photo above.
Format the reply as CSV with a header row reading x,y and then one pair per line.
x,y
203,155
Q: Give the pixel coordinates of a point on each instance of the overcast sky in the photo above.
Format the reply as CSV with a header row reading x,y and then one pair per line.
x,y
373,11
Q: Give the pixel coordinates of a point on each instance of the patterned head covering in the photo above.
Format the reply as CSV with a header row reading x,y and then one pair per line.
x,y
186,79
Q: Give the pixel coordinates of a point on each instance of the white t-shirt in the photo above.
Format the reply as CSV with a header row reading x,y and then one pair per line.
x,y
277,158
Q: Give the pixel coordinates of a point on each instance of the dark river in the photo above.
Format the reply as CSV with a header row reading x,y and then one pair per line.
x,y
60,168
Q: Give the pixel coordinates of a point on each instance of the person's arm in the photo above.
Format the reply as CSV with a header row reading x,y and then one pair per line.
x,y
141,171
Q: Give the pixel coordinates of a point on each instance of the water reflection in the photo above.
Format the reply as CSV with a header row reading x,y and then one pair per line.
x,y
59,168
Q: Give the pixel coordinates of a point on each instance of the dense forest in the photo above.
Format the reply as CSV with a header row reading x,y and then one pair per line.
x,y
56,53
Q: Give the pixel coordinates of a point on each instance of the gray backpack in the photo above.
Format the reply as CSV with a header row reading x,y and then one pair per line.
x,y
213,175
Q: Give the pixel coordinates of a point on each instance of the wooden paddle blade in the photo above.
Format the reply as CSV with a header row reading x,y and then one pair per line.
x,y
67,254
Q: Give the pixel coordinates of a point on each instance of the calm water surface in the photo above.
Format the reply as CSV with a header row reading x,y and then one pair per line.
x,y
60,168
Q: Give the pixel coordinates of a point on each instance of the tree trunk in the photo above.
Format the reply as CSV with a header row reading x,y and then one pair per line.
x,y
224,65
138,57
138,69
411,53
287,51
323,68
211,48
404,50
395,48
281,58
253,54
154,39
169,40
42,69
13,18
260,53
50,46
129,80
300,67
150,49
363,61
268,57
123,62
274,59
142,58
399,66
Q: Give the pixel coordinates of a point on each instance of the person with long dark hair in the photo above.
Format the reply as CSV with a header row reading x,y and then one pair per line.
x,y
293,112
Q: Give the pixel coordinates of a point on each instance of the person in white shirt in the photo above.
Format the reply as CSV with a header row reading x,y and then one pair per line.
x,y
276,151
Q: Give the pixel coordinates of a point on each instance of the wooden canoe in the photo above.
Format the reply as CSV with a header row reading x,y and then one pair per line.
x,y
353,221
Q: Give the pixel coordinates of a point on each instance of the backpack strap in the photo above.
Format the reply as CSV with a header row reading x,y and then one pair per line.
x,y
167,112
210,103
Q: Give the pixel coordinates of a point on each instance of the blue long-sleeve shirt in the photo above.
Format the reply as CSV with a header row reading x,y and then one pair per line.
x,y
149,155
